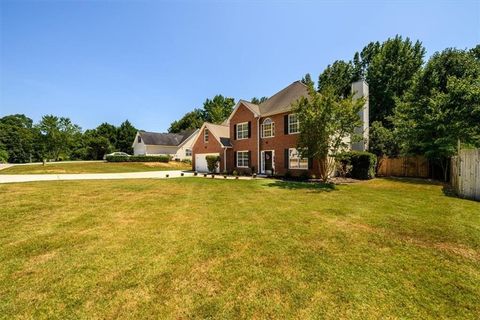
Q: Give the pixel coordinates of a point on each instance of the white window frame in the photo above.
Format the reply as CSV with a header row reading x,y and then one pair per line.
x,y
272,128
188,152
243,160
243,131
290,124
206,134
297,159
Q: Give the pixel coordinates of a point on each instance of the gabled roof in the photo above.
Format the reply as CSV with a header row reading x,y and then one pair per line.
x,y
282,101
221,132
165,139
254,108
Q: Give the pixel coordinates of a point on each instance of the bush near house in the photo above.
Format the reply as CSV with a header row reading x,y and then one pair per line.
x,y
212,163
162,158
358,164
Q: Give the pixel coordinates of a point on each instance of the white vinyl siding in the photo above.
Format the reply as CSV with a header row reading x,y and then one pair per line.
x,y
242,159
294,160
268,128
242,131
293,124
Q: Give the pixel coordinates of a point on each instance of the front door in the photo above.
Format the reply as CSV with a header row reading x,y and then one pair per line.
x,y
268,161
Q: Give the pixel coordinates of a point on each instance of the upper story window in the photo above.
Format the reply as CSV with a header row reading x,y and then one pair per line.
x,y
139,139
205,135
294,160
242,130
268,128
188,152
293,124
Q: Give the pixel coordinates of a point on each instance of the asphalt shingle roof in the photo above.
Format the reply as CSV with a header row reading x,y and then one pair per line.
x,y
282,101
164,139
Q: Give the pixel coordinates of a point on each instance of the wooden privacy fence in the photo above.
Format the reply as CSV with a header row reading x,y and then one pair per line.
x,y
404,167
465,174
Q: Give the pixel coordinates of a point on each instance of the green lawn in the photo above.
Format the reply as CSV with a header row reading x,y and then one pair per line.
x,y
229,249
95,167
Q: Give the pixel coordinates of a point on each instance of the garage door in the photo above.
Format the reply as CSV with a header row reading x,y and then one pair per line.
x,y
201,161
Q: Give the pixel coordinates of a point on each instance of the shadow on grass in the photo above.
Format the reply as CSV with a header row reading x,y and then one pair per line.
x,y
296,185
413,180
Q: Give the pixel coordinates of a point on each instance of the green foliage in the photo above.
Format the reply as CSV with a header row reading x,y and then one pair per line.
x,y
326,120
125,136
58,136
389,69
363,164
212,163
442,107
337,77
3,155
307,80
160,158
218,109
17,136
191,120
256,100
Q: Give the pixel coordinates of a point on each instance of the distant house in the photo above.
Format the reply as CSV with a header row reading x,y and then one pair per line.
x,y
177,145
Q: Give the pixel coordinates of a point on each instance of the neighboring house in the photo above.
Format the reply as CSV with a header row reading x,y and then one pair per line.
x,y
176,145
263,138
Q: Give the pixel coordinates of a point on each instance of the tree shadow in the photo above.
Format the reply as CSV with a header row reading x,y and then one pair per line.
x,y
411,180
300,185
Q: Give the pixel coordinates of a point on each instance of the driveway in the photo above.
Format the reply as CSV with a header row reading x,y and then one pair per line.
x,y
8,178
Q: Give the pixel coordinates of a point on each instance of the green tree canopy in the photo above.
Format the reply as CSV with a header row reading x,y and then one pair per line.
x,y
17,135
218,109
442,107
191,120
58,136
125,135
257,101
337,77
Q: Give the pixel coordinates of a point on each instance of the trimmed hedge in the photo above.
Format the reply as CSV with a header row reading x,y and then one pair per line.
x,y
363,164
161,158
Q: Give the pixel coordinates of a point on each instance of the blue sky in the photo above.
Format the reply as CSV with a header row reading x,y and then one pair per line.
x,y
152,61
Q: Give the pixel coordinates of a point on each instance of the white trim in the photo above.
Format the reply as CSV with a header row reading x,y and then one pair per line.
x,y
191,136
262,160
204,125
236,158
236,130
206,135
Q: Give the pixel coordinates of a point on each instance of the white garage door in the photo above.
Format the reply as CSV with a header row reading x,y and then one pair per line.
x,y
201,161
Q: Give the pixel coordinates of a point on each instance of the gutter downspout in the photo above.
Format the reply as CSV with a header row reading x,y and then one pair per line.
x,y
224,159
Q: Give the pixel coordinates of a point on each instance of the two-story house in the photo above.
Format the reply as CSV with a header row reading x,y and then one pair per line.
x,y
263,138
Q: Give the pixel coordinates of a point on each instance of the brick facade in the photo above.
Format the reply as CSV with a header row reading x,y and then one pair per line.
x,y
212,146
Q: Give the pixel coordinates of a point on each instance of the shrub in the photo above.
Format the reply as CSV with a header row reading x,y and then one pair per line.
x,y
235,173
363,164
304,175
3,156
212,163
187,161
288,175
160,158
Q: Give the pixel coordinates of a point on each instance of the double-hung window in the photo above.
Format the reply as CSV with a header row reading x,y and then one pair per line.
x,y
242,130
293,124
188,152
268,128
294,160
242,159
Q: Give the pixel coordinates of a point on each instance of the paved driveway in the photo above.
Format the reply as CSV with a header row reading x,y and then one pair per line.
x,y
8,178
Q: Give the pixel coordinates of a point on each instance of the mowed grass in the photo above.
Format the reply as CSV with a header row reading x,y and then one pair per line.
x,y
230,249
95,167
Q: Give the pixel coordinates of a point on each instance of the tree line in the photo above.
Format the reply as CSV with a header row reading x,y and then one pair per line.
x,y
58,138
417,107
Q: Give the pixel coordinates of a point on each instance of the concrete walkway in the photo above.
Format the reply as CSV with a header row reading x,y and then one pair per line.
x,y
12,178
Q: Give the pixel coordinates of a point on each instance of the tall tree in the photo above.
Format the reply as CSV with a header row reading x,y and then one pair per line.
x,y
108,131
326,120
218,109
337,77
442,107
125,136
191,120
256,100
389,69
58,136
307,80
17,135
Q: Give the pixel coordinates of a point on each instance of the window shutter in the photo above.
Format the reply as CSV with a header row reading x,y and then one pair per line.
x,y
235,159
249,158
310,163
249,129
285,157
234,132
285,124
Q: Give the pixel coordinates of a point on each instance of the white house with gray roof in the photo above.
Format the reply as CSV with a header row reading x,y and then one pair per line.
x,y
176,145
